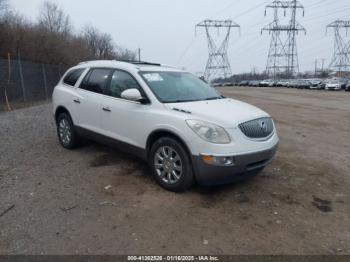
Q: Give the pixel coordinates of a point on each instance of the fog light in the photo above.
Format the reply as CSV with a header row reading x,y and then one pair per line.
x,y
218,160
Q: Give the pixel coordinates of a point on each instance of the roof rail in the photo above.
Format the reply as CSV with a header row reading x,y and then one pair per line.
x,y
123,61
139,62
172,66
93,61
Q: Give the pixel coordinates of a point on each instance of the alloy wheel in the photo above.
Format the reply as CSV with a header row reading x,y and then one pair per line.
x,y
65,132
168,164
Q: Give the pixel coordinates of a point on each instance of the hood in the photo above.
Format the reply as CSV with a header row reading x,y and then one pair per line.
x,y
227,112
333,84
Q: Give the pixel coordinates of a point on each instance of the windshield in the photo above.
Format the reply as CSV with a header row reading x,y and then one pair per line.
x,y
176,87
333,82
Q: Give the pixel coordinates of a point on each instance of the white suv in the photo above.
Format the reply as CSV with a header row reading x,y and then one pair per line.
x,y
181,126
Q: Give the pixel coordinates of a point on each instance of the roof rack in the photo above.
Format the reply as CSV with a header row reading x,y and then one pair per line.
x,y
139,62
124,61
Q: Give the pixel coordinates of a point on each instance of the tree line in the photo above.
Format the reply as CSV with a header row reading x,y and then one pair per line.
x,y
52,39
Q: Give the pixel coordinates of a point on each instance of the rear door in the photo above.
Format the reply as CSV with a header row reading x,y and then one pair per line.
x,y
89,99
69,83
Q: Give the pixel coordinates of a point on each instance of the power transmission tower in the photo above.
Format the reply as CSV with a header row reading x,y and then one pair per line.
x,y
283,54
218,64
341,58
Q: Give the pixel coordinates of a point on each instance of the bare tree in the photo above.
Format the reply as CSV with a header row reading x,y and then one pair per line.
x,y
89,34
12,32
106,47
3,5
51,40
54,19
125,54
99,44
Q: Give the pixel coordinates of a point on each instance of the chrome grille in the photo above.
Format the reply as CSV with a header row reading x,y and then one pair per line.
x,y
258,129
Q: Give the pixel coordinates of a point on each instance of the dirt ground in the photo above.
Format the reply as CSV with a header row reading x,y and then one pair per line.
x,y
96,200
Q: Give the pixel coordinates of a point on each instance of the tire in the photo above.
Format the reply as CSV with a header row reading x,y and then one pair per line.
x,y
66,133
175,159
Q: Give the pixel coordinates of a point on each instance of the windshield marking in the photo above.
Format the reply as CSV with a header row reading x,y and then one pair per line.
x,y
153,77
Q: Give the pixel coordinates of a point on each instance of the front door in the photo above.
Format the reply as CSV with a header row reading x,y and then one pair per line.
x,y
124,119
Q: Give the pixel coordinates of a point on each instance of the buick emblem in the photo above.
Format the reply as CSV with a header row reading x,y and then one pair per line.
x,y
263,126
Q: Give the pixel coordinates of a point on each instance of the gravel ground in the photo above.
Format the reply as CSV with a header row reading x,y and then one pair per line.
x,y
298,205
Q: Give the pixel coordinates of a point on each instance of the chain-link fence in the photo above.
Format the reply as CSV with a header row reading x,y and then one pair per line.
x,y
26,81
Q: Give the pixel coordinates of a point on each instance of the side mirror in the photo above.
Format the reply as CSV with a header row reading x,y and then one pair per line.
x,y
133,95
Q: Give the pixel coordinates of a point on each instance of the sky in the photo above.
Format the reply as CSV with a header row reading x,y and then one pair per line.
x,y
165,29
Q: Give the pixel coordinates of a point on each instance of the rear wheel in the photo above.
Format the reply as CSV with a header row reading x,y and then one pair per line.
x,y
171,165
67,136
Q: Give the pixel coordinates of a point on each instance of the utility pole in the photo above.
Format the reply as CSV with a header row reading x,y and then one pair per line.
x,y
283,56
323,60
139,53
316,68
341,55
218,64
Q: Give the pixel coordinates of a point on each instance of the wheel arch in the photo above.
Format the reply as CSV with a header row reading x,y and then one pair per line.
x,y
157,134
61,110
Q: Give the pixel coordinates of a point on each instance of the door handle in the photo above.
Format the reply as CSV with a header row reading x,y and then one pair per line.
x,y
76,101
106,109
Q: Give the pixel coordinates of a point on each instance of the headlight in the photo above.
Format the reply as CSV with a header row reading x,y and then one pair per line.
x,y
209,132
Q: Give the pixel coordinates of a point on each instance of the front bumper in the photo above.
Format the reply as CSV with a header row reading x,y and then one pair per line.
x,y
245,166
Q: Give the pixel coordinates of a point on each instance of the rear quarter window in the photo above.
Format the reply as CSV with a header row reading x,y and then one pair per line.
x,y
72,77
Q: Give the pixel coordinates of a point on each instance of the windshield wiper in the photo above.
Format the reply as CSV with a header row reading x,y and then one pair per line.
x,y
195,100
182,101
214,98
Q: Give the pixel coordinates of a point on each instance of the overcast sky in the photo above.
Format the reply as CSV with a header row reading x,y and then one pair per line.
x,y
164,29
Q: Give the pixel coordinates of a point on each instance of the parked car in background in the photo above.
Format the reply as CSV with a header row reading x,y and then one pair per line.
x,y
216,84
264,83
346,83
227,84
304,84
203,79
314,83
267,83
183,128
347,87
343,82
243,83
322,85
319,86
299,83
254,83
333,84
282,83
292,83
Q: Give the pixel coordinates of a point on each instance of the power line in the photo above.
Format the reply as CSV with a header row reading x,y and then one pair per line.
x,y
251,9
330,12
186,50
226,8
318,3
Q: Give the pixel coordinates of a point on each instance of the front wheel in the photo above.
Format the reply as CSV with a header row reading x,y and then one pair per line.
x,y
171,165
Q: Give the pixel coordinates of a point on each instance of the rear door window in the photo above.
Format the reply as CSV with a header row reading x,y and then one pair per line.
x,y
96,80
73,76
